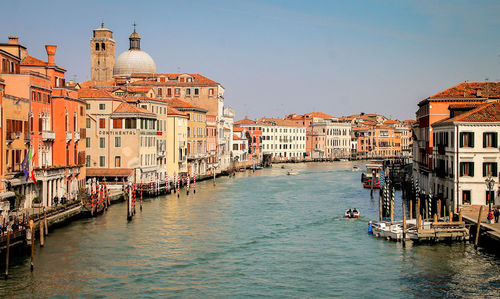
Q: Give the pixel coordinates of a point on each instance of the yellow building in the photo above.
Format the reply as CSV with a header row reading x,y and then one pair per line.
x,y
177,124
197,153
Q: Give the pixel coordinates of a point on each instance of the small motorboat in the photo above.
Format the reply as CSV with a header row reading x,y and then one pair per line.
x,y
292,172
356,168
258,167
352,213
282,166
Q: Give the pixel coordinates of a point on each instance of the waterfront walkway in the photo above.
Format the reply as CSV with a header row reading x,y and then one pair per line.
x,y
471,214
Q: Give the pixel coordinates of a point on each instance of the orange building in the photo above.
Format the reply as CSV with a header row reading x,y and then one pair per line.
x,y
255,130
46,126
435,108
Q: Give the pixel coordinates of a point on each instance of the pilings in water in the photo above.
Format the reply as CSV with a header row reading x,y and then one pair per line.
x,y
32,231
478,230
7,255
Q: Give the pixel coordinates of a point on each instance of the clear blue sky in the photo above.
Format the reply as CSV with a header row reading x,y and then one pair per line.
x,y
281,57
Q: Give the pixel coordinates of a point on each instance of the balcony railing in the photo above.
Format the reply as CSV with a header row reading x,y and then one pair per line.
x,y
48,135
69,136
194,156
160,153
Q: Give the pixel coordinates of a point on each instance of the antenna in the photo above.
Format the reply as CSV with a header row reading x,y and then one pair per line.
x,y
134,25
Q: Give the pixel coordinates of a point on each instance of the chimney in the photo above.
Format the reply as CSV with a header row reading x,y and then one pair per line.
x,y
13,40
51,53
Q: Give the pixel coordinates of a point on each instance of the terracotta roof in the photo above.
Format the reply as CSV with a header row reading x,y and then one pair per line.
x,y
463,105
236,137
318,114
91,93
30,60
173,111
238,129
108,83
278,122
392,122
470,90
180,104
118,172
487,112
245,121
197,79
127,108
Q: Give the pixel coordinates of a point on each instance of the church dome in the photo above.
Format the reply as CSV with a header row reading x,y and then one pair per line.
x,y
134,60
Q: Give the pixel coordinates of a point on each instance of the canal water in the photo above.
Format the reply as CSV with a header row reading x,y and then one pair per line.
x,y
262,234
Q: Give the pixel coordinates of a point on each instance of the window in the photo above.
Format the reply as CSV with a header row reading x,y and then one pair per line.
x,y
490,139
87,123
177,91
118,161
196,91
118,141
103,46
188,91
466,139
87,142
102,142
490,168
467,169
211,92
130,123
160,92
466,197
102,123
81,111
117,123
88,106
102,106
97,46
102,161
169,92
87,161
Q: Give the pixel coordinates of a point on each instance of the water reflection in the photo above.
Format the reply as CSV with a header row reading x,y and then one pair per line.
x,y
257,234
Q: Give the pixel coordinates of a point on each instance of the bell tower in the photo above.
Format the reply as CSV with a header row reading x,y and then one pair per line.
x,y
102,54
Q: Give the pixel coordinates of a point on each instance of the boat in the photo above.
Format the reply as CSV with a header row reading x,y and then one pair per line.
x,y
258,167
372,166
292,172
356,168
282,166
344,160
352,213
368,184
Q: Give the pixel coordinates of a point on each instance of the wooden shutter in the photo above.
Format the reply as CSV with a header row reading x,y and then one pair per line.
x,y
471,171
461,139
471,142
485,139
495,139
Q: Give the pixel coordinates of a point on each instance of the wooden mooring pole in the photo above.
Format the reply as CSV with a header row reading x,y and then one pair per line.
x,y
7,255
411,209
46,231
439,208
42,243
32,229
404,228
478,226
380,207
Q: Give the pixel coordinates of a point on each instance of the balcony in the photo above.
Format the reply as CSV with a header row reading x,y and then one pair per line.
x,y
77,136
160,154
48,135
196,156
69,136
11,136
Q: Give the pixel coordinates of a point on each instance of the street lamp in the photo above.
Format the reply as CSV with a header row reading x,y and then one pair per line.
x,y
490,182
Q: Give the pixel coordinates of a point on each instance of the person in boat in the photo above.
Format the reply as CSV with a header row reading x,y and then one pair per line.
x,y
355,211
349,212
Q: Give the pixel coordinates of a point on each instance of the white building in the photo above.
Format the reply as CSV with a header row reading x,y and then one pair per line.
x,y
465,152
338,138
283,139
239,151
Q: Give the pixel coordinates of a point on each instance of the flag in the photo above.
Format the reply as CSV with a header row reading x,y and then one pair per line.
x,y
26,165
31,162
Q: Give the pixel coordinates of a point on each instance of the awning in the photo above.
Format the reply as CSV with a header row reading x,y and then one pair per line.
x,y
109,172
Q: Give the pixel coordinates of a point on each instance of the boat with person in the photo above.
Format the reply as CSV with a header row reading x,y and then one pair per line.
x,y
292,172
356,168
352,213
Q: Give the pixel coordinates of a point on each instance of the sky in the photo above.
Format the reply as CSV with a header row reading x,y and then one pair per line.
x,y
280,57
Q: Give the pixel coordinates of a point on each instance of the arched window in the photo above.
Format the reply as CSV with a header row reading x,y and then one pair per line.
x,y
97,46
103,46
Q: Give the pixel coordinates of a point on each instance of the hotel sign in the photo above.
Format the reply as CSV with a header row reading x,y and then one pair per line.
x,y
116,132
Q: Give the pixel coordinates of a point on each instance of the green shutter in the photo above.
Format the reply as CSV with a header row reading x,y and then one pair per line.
x,y
462,169
485,166
494,169
485,139
495,139
461,139
471,169
471,139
